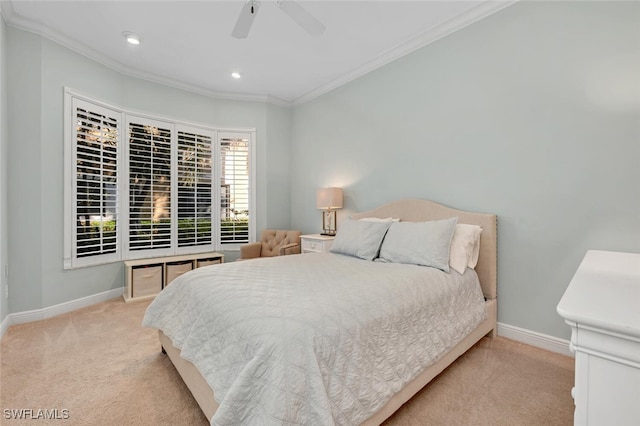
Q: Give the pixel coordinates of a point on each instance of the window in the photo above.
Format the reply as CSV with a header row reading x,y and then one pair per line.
x,y
195,188
234,188
141,187
149,155
94,214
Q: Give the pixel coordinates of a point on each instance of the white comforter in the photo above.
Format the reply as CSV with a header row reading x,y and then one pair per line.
x,y
314,339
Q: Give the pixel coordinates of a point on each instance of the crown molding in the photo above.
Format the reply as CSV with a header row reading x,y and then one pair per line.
x,y
15,20
427,37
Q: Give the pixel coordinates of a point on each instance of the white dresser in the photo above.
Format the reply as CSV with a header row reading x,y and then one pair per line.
x,y
602,307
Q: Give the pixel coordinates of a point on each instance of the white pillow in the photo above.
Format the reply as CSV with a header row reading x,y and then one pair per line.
x,y
419,243
465,247
359,238
378,219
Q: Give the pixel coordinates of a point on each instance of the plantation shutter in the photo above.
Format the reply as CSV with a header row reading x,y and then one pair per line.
x,y
235,187
149,155
136,186
95,137
194,176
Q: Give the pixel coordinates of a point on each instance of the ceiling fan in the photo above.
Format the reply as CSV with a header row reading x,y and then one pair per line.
x,y
292,8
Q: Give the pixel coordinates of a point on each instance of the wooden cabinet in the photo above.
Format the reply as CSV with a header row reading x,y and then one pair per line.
x,y
315,243
145,278
602,307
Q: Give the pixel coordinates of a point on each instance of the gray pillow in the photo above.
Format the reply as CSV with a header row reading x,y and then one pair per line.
x,y
359,238
419,243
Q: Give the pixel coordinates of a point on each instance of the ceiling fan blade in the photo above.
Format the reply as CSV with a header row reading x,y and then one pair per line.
x,y
301,17
245,19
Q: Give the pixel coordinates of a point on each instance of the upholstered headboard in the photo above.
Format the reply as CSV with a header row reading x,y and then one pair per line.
x,y
416,210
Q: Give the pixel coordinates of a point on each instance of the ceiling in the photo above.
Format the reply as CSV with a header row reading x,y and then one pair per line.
x,y
188,44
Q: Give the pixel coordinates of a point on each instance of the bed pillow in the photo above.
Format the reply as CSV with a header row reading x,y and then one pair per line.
x,y
360,238
419,243
465,247
379,219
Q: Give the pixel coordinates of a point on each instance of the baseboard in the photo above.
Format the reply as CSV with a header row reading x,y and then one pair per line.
x,y
62,308
539,340
4,325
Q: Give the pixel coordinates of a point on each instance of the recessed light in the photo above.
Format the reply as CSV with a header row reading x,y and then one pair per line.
x,y
235,75
132,38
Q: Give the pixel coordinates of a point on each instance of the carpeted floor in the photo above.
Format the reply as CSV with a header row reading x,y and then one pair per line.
x,y
98,366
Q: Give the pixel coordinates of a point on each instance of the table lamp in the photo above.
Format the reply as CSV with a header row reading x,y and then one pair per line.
x,y
328,200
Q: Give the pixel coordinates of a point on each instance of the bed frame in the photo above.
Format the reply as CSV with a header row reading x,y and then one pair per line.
x,y
409,210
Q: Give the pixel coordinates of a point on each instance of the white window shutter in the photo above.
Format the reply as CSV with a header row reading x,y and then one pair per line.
x,y
149,187
194,189
95,133
235,188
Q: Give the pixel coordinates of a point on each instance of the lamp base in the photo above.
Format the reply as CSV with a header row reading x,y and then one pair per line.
x,y
329,223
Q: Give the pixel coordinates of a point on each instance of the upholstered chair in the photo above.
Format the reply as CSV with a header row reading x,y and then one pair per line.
x,y
272,243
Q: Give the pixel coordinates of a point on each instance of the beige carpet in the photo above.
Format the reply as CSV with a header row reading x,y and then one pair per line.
x,y
105,369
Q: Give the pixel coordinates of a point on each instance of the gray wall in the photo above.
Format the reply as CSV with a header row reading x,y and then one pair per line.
x,y
24,172
278,161
4,137
530,114
38,71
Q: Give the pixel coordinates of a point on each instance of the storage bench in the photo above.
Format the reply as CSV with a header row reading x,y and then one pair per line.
x,y
145,278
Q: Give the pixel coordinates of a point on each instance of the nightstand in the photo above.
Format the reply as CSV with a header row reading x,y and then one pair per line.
x,y
316,243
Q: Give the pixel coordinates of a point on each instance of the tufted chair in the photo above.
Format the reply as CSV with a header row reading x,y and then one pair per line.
x,y
272,243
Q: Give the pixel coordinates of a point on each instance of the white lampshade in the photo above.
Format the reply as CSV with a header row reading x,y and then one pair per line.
x,y
329,198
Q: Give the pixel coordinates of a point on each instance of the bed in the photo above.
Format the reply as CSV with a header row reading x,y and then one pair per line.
x,y
355,350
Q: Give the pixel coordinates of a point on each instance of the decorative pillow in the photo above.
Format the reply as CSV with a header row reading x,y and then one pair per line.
x,y
360,238
465,247
419,243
